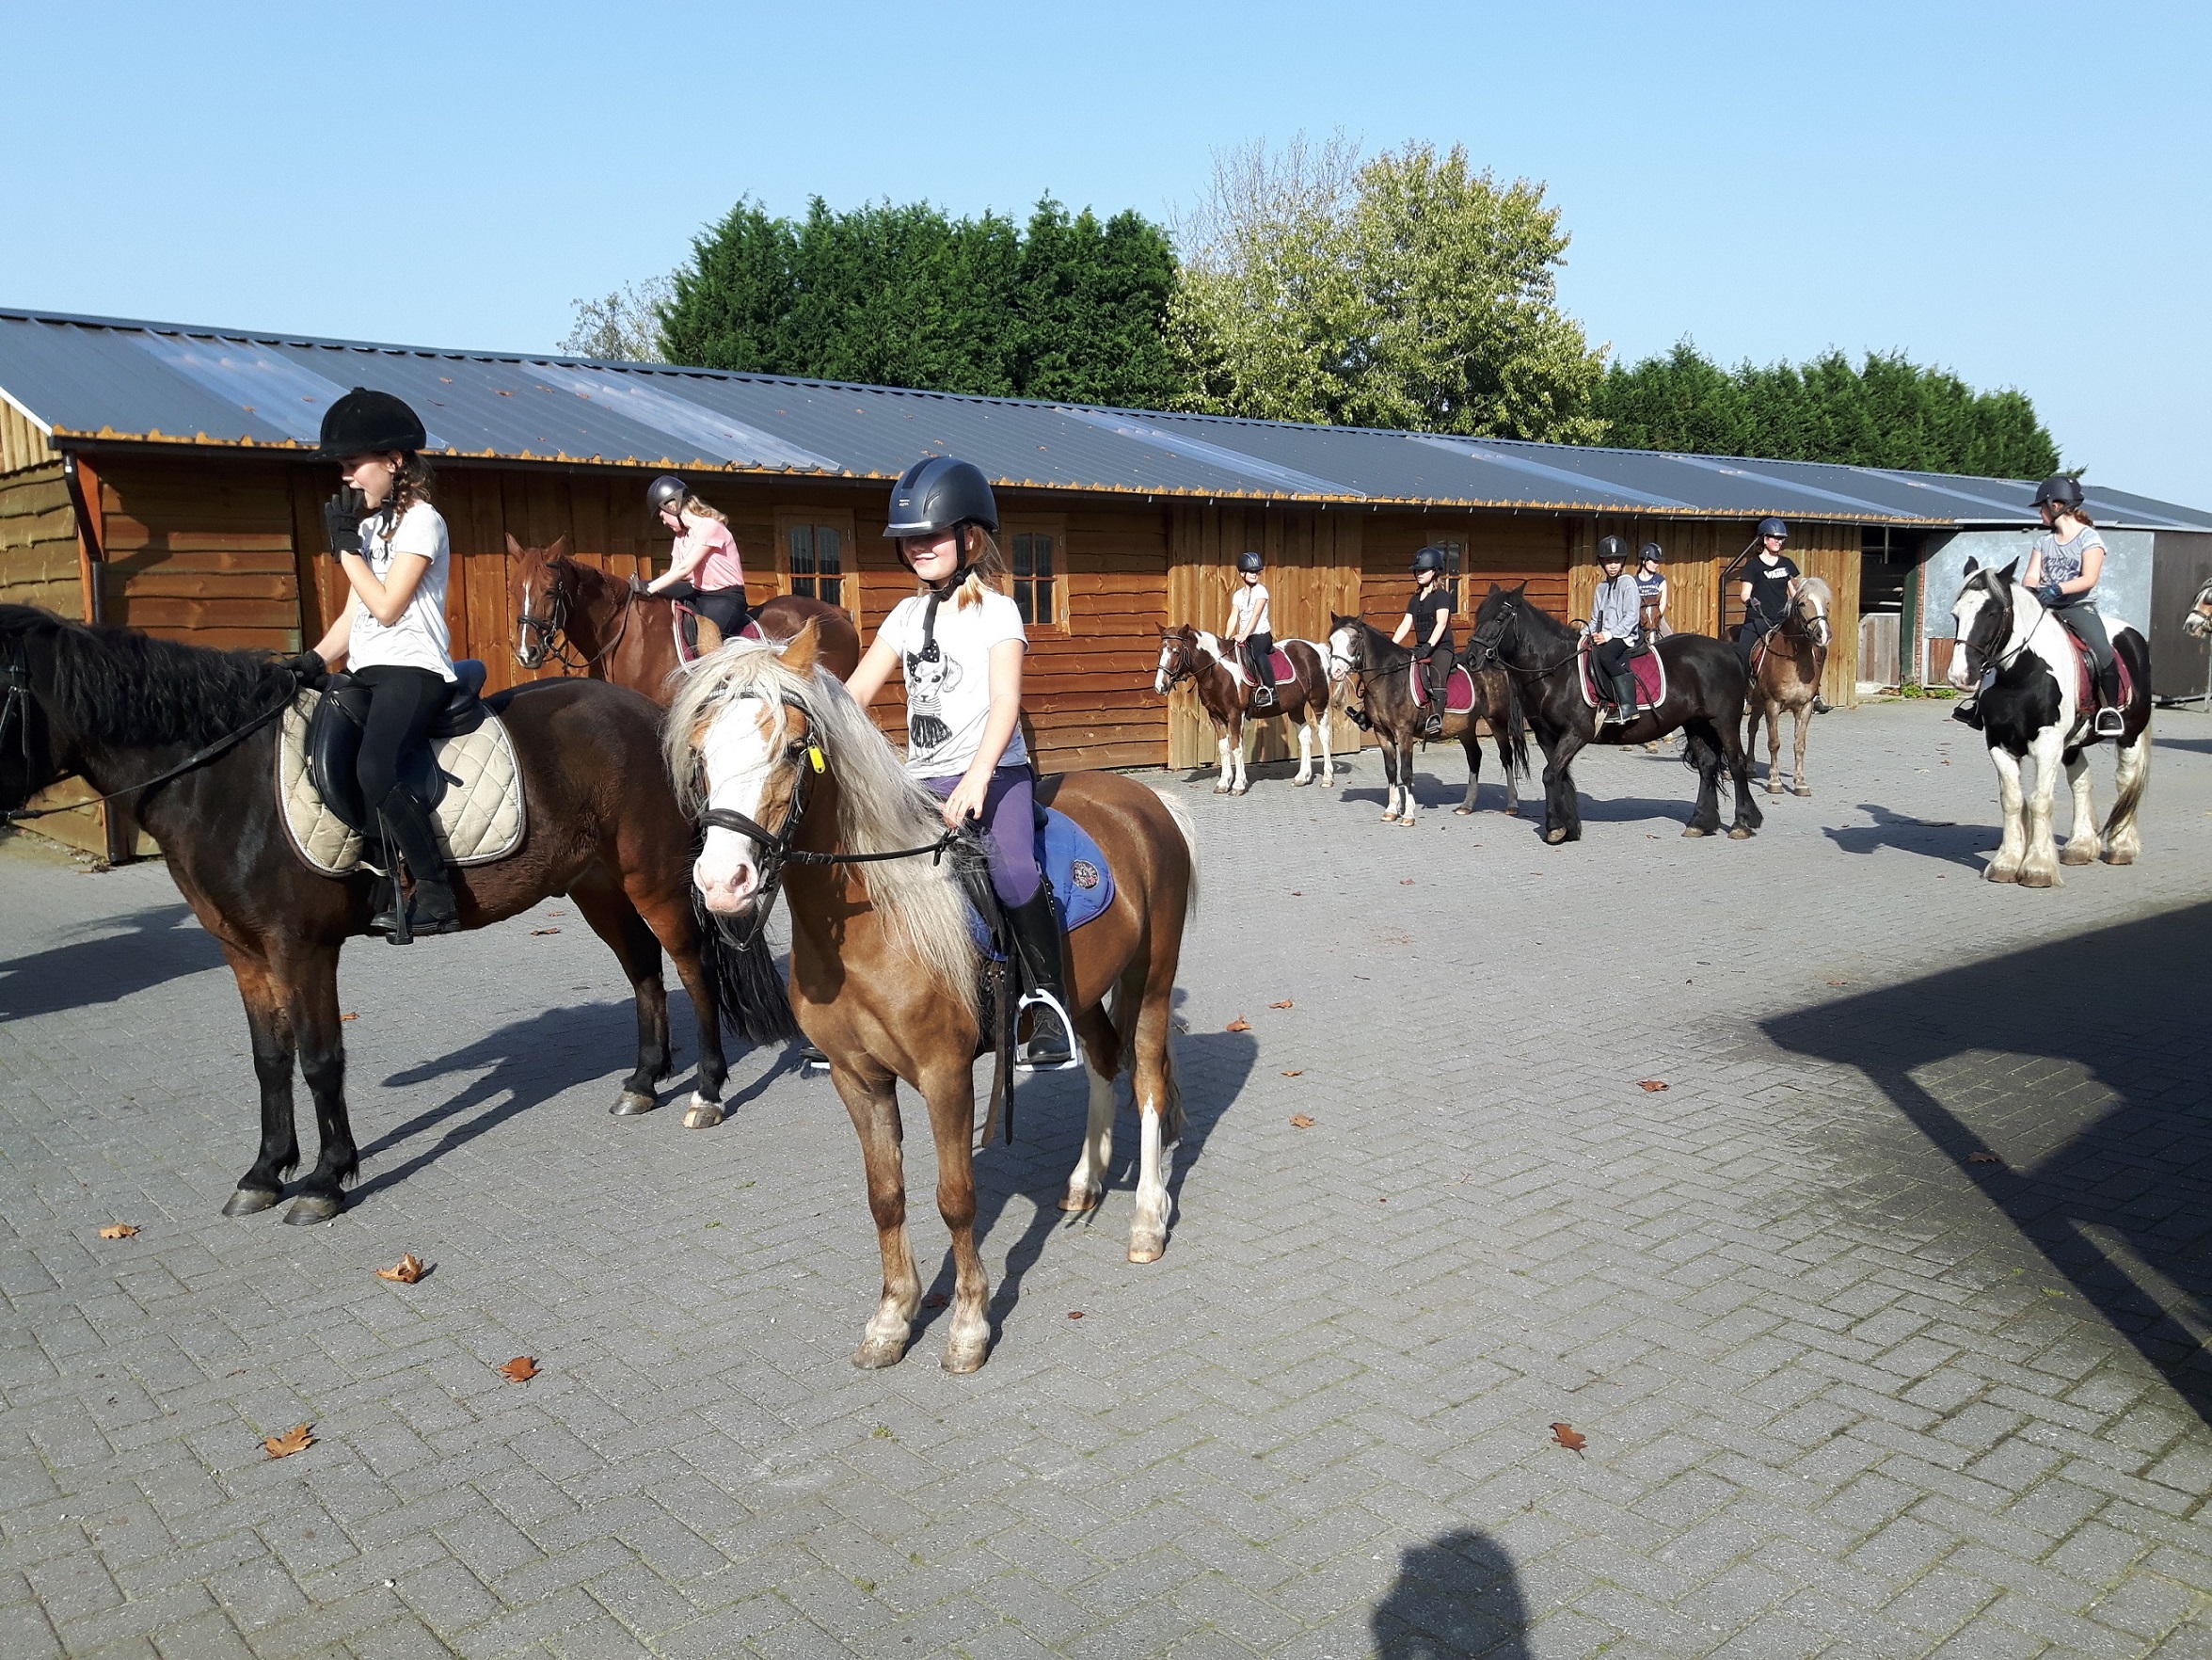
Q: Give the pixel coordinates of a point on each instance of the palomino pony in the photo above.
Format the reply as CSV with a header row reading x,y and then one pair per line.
x,y
2031,707
801,788
1786,669
1225,690
565,607
1705,687
1386,673
186,738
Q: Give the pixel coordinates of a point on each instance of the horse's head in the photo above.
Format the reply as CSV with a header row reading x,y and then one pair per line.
x,y
1178,657
537,588
1811,607
2199,620
757,754
1494,618
1347,648
28,758
1982,618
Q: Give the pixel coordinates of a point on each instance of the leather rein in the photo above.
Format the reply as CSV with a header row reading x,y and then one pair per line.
x,y
552,629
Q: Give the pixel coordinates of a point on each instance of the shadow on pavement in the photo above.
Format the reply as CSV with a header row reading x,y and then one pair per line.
x,y
2127,1006
1456,1596
161,943
1964,845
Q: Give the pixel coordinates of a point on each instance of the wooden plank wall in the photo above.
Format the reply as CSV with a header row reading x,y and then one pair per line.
x,y
1312,571
22,444
200,551
39,542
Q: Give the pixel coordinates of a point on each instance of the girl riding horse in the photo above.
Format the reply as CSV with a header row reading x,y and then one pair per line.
x,y
707,572
959,645
1428,623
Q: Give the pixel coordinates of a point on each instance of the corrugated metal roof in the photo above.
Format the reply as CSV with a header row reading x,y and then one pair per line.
x,y
94,379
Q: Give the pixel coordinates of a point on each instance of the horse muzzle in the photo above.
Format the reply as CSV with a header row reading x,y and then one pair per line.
x,y
728,892
2196,624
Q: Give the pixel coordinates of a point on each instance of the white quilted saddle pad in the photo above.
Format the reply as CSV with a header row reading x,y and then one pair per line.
x,y
480,820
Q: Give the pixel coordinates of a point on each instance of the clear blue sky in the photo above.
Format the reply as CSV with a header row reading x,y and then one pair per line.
x,y
2017,192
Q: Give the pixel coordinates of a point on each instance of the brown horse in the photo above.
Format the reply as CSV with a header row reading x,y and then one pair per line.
x,y
883,968
1226,688
1786,668
1386,671
186,738
592,623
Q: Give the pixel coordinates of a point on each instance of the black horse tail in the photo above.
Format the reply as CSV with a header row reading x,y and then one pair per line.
x,y
749,994
1516,735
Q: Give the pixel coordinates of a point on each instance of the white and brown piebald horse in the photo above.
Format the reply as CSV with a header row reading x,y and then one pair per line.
x,y
2032,708
1225,689
2197,623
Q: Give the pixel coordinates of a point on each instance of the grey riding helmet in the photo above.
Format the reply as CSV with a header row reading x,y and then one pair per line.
x,y
1249,561
1428,559
937,494
2062,489
665,493
1774,527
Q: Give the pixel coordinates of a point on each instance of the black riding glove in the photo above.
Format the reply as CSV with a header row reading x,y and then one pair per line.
x,y
309,668
637,585
341,522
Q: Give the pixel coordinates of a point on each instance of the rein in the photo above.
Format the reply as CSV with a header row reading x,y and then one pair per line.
x,y
1495,647
552,631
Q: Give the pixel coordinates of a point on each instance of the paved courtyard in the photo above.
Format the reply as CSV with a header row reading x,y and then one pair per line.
x,y
1883,1320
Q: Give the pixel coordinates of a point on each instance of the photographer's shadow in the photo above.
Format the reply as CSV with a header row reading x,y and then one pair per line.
x,y
1455,1597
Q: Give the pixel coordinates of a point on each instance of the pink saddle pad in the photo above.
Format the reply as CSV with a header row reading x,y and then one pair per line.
x,y
1646,665
1459,690
2088,701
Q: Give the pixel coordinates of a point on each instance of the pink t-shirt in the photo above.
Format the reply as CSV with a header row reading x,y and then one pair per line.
x,y
721,567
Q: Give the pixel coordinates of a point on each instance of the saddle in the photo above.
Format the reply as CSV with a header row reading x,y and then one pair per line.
x,y
2088,701
1279,660
1459,690
1645,663
1081,880
467,775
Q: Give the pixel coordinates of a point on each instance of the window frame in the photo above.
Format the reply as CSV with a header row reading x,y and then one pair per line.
x,y
834,519
1040,524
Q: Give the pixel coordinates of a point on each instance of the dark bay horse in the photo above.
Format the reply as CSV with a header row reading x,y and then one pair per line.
x,y
1786,669
1386,678
591,623
118,710
1705,692
1225,689
884,969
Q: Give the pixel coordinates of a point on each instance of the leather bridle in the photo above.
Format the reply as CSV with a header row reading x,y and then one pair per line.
x,y
1489,640
552,629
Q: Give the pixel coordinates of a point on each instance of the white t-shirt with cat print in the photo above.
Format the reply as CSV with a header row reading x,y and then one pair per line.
x,y
948,694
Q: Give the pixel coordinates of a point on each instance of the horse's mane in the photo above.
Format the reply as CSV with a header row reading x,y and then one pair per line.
x,y
130,690
1813,584
880,808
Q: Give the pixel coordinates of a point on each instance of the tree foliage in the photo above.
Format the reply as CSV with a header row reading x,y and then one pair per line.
x,y
1067,308
624,326
1410,291
1887,412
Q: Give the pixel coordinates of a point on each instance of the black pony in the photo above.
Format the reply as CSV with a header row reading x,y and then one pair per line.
x,y
1705,691
604,827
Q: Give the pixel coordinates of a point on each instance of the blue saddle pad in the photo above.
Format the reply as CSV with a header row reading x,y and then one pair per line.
x,y
1082,882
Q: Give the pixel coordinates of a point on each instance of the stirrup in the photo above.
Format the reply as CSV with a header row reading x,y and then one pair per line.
x,y
1038,1052
2110,722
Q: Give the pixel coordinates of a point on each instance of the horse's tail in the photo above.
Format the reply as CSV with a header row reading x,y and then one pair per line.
x,y
748,992
1189,828
1516,734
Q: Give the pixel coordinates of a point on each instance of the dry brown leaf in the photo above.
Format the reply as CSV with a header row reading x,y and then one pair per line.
x,y
1406,882
349,1017
1295,1072
521,1369
1840,983
1300,1120
1300,893
538,931
297,1439
1239,1024
1983,1158
1074,1314
1284,1004
118,1231
1650,1086
1566,1435
409,1268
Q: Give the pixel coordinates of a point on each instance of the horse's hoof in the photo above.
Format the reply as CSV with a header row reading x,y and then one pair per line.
x,y
250,1202
1694,831
1739,834
1554,837
1300,783
1242,789
966,1355
2039,878
1774,789
2078,855
878,1352
632,1105
1803,791
1147,1244
1076,1203
1406,821
2119,858
1220,790
1390,818
2002,873
703,1114
1463,812
310,1209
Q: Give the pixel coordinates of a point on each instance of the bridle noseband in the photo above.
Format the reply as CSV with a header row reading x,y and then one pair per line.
x,y
552,627
1489,640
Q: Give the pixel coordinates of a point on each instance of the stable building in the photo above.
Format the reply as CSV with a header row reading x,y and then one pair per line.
x,y
156,475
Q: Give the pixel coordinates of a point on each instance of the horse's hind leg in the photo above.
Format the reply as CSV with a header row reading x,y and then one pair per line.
x,y
874,1110
2123,840
1473,744
677,929
1227,781
1305,722
311,1006
1103,1050
1738,761
270,1024
2082,845
1159,1102
1406,802
614,920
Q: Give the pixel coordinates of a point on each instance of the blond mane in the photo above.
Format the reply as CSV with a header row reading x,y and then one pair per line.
x,y
880,808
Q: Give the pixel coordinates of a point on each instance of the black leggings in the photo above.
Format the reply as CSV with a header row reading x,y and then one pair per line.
x,y
2083,621
726,608
1756,628
1259,656
1436,667
1612,657
402,703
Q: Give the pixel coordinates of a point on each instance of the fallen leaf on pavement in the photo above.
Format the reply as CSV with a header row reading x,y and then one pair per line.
x,y
1983,1158
1074,1314
349,1017
1295,1072
1406,882
294,1440
409,1268
118,1231
1840,983
535,930
1301,1121
1650,1086
1566,1435
1239,1024
1284,1004
521,1369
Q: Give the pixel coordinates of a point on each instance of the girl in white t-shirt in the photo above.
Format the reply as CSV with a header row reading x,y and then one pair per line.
x,y
391,545
959,645
1251,629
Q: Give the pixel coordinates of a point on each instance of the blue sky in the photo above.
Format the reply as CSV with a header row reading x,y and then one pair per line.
x,y
2019,192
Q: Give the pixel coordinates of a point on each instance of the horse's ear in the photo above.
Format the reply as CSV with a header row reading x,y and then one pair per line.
x,y
2010,574
558,549
803,650
512,545
1973,564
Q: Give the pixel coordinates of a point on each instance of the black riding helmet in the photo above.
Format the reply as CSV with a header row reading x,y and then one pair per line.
x,y
1774,527
1612,550
1428,559
1249,561
365,423
1654,552
665,492
2062,489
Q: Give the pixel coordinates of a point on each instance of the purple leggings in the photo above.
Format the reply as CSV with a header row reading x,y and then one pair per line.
x,y
1010,831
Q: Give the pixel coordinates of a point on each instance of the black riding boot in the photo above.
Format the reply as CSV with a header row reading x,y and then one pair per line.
x,y
1968,712
1433,726
1624,696
430,909
2112,720
1051,1043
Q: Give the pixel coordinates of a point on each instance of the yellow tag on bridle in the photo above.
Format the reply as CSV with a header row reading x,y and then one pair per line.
x,y
814,755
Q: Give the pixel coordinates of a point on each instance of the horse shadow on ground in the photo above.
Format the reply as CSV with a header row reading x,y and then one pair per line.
x,y
1457,1596
2195,746
1211,1067
160,943
1964,845
528,1063
2124,1004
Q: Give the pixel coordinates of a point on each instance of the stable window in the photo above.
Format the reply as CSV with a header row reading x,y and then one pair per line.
x,y
1455,558
817,561
1036,579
